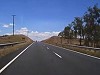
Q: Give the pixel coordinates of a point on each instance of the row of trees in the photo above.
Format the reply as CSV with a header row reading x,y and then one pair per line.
x,y
85,28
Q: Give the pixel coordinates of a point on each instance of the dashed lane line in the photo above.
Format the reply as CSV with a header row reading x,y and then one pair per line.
x,y
47,47
57,54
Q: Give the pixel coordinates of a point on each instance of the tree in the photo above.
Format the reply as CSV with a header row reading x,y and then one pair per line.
x,y
61,34
79,26
96,15
75,29
86,27
66,32
91,19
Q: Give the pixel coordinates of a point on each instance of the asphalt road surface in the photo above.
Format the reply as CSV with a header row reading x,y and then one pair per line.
x,y
44,59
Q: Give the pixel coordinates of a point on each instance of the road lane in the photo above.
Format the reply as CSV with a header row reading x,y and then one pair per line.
x,y
1,70
43,59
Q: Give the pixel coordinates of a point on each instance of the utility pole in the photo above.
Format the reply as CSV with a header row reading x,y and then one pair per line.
x,y
13,23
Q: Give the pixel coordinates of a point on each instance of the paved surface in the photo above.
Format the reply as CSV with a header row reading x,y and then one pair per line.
x,y
43,59
6,59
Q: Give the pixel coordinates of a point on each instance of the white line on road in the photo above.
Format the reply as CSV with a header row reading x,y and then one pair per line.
x,y
57,54
76,52
47,47
14,59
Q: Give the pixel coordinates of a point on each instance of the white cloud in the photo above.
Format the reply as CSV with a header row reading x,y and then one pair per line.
x,y
11,24
42,35
22,31
7,25
8,34
35,35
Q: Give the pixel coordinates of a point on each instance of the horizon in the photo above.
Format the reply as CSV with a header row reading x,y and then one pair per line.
x,y
40,19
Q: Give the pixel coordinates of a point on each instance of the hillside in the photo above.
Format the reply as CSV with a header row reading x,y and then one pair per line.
x,y
23,40
67,43
58,40
15,38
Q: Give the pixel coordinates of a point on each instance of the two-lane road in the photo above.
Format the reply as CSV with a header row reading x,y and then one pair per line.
x,y
44,59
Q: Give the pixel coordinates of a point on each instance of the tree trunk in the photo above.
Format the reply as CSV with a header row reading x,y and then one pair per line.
x,y
80,41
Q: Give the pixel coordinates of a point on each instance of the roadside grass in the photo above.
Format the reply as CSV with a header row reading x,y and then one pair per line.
x,y
82,50
55,40
9,39
86,51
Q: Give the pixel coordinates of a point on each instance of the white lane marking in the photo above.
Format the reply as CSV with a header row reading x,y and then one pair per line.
x,y
77,52
14,59
57,54
47,47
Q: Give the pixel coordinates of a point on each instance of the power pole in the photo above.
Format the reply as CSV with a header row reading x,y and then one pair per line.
x,y
13,23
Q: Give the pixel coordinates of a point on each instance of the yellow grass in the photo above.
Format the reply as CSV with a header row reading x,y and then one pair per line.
x,y
17,38
55,40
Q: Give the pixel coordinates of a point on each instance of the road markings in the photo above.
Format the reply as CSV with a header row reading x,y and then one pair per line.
x,y
76,52
47,47
14,59
57,54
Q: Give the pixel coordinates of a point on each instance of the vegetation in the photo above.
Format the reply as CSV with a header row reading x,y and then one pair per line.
x,y
85,28
25,41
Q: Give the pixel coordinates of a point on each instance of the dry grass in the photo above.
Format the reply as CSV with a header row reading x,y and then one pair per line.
x,y
17,38
6,50
86,51
55,40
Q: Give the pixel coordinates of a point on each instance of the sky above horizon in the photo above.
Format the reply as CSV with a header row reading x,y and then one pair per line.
x,y
40,18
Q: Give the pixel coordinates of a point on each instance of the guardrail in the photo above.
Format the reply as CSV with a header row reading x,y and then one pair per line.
x,y
9,44
84,47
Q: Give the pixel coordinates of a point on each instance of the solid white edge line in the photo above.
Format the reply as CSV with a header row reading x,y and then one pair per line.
x,y
1,70
76,52
57,54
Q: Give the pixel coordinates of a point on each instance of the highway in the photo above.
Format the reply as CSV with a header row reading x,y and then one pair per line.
x,y
44,59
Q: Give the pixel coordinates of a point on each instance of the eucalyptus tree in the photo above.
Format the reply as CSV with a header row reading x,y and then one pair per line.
x,y
74,29
91,19
79,26
61,35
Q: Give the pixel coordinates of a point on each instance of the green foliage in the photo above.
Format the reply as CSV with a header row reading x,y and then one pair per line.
x,y
86,27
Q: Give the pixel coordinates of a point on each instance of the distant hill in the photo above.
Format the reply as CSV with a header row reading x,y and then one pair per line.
x,y
52,40
15,38
56,40
23,40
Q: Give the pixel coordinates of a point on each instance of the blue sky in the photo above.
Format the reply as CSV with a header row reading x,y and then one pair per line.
x,y
41,15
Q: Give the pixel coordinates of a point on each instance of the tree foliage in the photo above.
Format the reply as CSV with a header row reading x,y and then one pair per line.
x,y
86,27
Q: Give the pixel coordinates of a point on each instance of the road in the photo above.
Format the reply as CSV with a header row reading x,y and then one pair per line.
x,y
44,59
